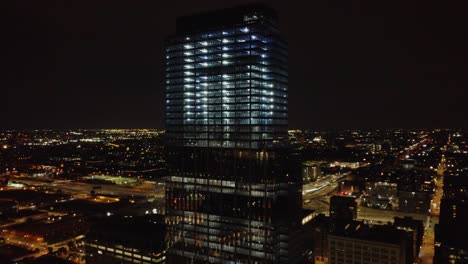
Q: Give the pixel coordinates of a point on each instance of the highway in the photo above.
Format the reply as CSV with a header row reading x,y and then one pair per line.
x,y
26,243
316,195
147,189
322,186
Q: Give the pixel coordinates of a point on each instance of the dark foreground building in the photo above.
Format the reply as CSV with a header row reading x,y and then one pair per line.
x,y
451,244
140,239
234,190
340,241
357,243
343,207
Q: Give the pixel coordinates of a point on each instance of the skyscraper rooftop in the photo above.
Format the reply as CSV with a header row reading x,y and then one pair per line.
x,y
226,17
227,80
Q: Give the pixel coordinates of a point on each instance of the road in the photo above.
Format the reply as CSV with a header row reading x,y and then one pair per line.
x,y
42,246
426,254
414,148
149,190
316,195
319,200
22,220
317,186
26,243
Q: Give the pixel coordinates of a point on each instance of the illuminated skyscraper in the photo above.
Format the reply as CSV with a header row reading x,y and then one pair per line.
x,y
226,80
233,190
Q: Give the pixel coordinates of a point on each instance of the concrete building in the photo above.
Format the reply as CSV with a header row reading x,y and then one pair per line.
x,y
416,227
127,240
382,195
414,202
362,248
311,171
348,241
450,233
343,207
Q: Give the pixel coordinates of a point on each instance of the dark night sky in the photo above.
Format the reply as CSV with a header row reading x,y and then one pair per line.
x,y
99,64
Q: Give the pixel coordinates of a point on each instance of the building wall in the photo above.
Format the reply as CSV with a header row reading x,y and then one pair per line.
x,y
348,250
109,254
246,215
310,173
343,207
414,202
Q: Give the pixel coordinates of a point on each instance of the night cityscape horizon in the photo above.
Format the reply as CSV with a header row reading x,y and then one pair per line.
x,y
306,133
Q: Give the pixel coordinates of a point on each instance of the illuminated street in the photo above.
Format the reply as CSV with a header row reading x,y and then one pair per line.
x,y
427,249
148,189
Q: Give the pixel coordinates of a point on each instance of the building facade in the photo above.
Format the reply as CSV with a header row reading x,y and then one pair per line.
x,y
311,171
343,207
233,190
140,239
344,249
337,241
450,235
226,80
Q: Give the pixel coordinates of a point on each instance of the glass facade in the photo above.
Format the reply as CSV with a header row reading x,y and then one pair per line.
x,y
227,87
233,195
234,206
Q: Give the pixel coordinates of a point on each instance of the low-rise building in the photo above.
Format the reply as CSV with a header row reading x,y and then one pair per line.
x,y
338,241
127,240
414,202
343,207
